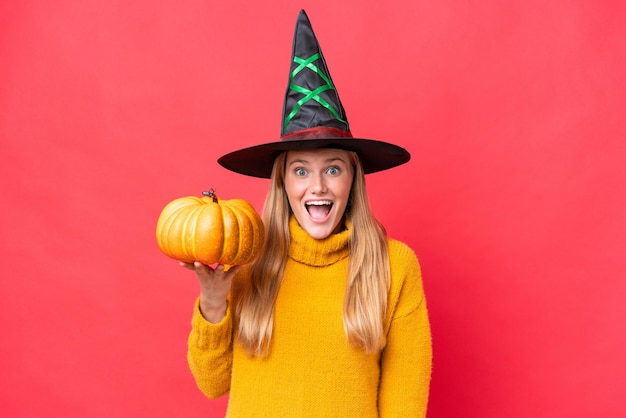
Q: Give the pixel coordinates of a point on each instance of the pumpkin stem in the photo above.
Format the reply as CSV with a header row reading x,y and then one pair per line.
x,y
210,193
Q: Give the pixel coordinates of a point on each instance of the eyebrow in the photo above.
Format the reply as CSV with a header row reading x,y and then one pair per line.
x,y
327,161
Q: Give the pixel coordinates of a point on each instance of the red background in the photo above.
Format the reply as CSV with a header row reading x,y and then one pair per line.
x,y
514,198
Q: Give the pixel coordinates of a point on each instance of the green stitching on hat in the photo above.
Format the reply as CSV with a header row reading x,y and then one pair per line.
x,y
308,94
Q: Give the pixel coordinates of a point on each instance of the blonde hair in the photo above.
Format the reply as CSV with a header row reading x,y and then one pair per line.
x,y
368,274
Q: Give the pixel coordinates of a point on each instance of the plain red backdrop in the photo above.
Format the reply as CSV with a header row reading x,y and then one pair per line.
x,y
514,199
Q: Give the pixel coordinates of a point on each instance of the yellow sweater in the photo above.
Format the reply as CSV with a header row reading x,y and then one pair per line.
x,y
311,371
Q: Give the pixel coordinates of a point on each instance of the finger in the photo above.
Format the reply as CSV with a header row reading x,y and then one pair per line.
x,y
201,268
234,269
228,271
225,271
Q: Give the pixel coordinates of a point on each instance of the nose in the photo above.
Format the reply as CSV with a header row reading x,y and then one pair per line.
x,y
318,185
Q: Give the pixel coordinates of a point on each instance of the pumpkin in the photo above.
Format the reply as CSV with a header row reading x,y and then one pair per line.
x,y
210,230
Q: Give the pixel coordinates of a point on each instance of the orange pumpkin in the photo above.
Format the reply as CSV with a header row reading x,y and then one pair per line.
x,y
210,230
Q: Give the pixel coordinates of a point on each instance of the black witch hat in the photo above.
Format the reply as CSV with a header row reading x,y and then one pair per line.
x,y
313,117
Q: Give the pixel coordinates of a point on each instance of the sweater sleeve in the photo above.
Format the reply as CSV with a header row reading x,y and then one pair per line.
x,y
210,353
407,357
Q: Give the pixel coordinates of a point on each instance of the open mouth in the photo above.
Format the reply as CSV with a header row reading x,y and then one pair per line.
x,y
319,209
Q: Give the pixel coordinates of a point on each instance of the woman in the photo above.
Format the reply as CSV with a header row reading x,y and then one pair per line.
x,y
330,320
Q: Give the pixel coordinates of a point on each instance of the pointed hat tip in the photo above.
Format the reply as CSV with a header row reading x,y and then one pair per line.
x,y
303,15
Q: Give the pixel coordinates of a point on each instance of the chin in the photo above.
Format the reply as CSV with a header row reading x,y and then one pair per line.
x,y
320,231
317,233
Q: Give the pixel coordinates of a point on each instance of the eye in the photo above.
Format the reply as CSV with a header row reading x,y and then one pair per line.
x,y
333,171
300,171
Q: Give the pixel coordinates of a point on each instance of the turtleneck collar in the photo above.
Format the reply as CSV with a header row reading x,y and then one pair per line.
x,y
318,252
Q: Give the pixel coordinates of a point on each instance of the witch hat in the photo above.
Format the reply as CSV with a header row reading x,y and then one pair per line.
x,y
313,117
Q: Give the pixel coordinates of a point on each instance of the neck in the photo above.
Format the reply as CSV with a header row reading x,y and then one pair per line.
x,y
318,252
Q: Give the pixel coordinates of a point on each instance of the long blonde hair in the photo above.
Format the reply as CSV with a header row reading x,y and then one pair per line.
x,y
368,274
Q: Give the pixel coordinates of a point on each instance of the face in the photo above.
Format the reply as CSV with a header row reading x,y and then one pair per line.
x,y
318,184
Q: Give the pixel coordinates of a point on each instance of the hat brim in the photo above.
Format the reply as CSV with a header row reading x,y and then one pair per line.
x,y
257,161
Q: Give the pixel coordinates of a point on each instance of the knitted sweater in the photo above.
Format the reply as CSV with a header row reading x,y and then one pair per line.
x,y
311,371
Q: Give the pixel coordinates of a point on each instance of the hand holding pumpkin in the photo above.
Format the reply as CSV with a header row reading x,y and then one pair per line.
x,y
214,288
